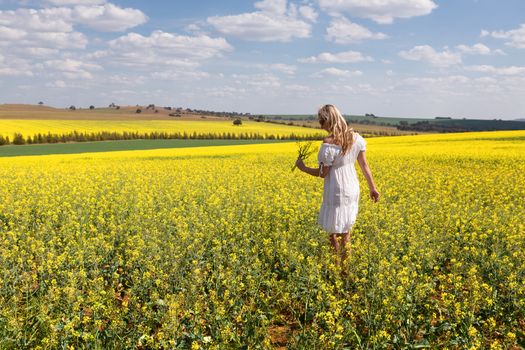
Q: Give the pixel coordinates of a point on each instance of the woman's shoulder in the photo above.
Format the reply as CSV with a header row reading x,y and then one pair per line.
x,y
358,137
329,140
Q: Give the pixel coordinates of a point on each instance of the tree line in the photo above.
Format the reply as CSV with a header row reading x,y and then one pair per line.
x,y
75,136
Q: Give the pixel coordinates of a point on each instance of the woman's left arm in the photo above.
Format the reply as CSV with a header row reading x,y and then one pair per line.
x,y
321,171
361,159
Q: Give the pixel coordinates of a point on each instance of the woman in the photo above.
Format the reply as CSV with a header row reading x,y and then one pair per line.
x,y
336,159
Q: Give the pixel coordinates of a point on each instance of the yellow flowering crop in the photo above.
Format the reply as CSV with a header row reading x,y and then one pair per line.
x,y
218,247
8,127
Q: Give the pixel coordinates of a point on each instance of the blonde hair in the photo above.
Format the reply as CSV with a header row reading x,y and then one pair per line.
x,y
343,134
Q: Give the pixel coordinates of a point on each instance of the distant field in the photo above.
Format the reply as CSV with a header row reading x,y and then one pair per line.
x,y
370,129
386,120
478,125
108,146
470,124
29,112
31,127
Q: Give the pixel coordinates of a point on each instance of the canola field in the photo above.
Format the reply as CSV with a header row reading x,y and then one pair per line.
x,y
8,127
218,248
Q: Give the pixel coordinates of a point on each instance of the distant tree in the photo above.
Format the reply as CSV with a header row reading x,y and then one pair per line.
x,y
138,110
40,103
237,121
91,107
73,108
18,139
112,105
118,107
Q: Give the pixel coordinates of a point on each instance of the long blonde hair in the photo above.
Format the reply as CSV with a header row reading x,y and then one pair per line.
x,y
343,134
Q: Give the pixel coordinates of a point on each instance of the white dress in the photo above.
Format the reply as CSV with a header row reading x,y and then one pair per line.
x,y
341,186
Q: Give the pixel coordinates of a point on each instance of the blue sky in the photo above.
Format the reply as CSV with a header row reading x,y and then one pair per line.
x,y
412,58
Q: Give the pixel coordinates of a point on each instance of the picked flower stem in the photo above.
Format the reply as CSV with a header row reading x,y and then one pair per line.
x,y
305,150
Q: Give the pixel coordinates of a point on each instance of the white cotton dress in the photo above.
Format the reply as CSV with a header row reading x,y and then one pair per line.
x,y
341,186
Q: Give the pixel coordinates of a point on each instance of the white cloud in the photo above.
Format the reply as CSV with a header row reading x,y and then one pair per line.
x,y
274,22
478,49
265,80
283,68
15,72
7,33
43,20
166,48
459,79
178,75
57,84
359,89
452,85
226,92
427,54
343,31
515,37
381,11
56,40
73,69
10,66
108,17
39,31
335,72
76,2
308,13
341,57
511,70
297,88
193,28
126,80
271,67
277,7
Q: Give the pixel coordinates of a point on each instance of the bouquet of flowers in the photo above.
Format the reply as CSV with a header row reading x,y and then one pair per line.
x,y
305,150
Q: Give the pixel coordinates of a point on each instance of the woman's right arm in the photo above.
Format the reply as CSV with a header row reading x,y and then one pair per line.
x,y
321,171
361,159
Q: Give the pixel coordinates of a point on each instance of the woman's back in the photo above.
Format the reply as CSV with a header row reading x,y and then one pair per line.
x,y
341,185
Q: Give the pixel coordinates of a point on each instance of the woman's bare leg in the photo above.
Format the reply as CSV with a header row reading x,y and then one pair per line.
x,y
345,246
340,245
335,243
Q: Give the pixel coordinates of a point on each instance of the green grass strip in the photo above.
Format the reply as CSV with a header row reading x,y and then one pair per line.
x,y
109,146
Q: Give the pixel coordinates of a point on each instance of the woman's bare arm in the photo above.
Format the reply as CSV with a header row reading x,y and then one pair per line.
x,y
361,159
313,171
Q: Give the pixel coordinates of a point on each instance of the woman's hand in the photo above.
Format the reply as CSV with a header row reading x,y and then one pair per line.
x,y
374,195
300,164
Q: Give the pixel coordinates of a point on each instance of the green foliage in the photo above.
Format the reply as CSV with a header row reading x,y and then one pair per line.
x,y
18,139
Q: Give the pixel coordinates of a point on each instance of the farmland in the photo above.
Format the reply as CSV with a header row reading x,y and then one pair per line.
x,y
29,119
420,125
110,146
218,247
31,127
